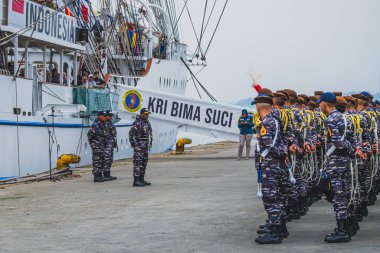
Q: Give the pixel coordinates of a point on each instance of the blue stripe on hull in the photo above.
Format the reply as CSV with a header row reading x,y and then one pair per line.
x,y
5,178
42,124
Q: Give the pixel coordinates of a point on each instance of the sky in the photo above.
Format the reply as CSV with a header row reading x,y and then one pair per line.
x,y
305,45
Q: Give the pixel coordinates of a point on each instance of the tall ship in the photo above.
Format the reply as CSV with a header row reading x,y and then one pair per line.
x,y
61,62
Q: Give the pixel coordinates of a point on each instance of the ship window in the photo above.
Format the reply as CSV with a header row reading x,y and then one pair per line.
x,y
126,143
160,81
58,149
121,144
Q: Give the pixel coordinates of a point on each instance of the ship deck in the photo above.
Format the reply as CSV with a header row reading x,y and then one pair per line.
x,y
202,202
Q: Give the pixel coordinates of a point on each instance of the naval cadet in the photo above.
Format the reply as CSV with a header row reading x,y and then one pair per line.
x,y
101,142
338,150
267,162
140,137
111,147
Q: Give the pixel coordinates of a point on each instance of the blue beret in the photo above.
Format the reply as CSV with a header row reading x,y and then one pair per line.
x,y
327,97
365,93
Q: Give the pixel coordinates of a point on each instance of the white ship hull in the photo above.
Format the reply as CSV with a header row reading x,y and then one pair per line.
x,y
25,149
40,121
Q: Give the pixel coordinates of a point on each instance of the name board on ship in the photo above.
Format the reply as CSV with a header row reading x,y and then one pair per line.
x,y
45,21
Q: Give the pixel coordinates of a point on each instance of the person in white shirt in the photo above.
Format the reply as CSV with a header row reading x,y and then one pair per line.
x,y
91,82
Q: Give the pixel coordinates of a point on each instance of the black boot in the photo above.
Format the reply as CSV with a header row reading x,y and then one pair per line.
x,y
108,177
341,234
272,236
261,231
358,214
137,182
353,226
284,229
293,213
364,210
308,201
98,178
302,209
262,226
143,180
371,198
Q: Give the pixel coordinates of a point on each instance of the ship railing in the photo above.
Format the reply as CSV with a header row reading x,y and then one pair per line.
x,y
137,52
176,50
5,72
125,80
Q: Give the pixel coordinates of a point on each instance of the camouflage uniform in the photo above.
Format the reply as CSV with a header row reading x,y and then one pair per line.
x,y
268,160
112,133
101,142
365,165
362,140
285,186
337,162
299,190
140,137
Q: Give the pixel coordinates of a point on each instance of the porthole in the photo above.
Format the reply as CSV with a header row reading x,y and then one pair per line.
x,y
121,144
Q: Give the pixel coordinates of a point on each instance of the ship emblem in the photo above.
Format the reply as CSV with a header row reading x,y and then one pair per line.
x,y
132,101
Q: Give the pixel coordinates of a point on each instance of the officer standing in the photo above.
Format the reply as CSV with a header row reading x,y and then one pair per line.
x,y
112,133
338,149
101,142
245,125
140,137
268,163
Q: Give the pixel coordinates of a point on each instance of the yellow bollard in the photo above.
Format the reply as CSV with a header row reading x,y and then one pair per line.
x,y
180,146
64,161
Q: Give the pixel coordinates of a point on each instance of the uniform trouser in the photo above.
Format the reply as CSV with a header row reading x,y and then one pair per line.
x,y
299,188
140,161
285,188
336,169
373,175
102,158
109,161
348,176
376,180
244,139
271,194
364,180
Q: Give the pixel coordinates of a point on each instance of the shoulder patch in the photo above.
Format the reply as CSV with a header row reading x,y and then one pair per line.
x,y
263,130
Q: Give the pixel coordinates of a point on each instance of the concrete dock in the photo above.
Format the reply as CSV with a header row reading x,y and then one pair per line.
x,y
201,202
